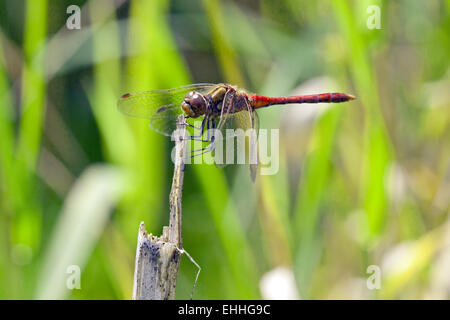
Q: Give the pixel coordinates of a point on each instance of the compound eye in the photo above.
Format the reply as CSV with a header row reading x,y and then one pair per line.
x,y
187,108
196,100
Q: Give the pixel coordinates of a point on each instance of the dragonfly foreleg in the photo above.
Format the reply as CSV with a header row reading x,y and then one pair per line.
x,y
201,128
204,150
210,124
208,133
192,126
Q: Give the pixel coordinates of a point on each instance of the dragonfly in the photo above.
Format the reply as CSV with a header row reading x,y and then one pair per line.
x,y
219,106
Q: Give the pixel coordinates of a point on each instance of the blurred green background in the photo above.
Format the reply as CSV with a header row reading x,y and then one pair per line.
x,y
361,185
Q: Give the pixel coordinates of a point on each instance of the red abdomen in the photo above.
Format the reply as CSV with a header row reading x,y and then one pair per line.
x,y
258,101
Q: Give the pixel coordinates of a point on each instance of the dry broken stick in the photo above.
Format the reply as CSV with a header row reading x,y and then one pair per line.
x,y
156,269
158,258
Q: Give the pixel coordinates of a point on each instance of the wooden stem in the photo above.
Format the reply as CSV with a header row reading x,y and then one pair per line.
x,y
158,258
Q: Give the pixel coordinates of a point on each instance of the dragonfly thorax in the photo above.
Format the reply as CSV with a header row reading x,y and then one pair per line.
x,y
194,104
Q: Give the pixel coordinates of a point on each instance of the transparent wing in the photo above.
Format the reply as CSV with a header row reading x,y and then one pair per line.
x,y
235,143
230,119
146,104
164,120
253,166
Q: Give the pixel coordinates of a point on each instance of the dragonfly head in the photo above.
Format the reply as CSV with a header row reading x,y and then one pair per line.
x,y
194,104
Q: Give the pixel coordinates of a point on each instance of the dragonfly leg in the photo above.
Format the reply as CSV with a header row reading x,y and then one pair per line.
x,y
201,128
192,126
198,137
210,146
210,137
197,150
204,150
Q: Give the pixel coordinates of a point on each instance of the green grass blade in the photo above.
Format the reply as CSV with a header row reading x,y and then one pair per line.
x,y
312,186
230,231
222,46
82,220
7,181
26,223
378,151
33,84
